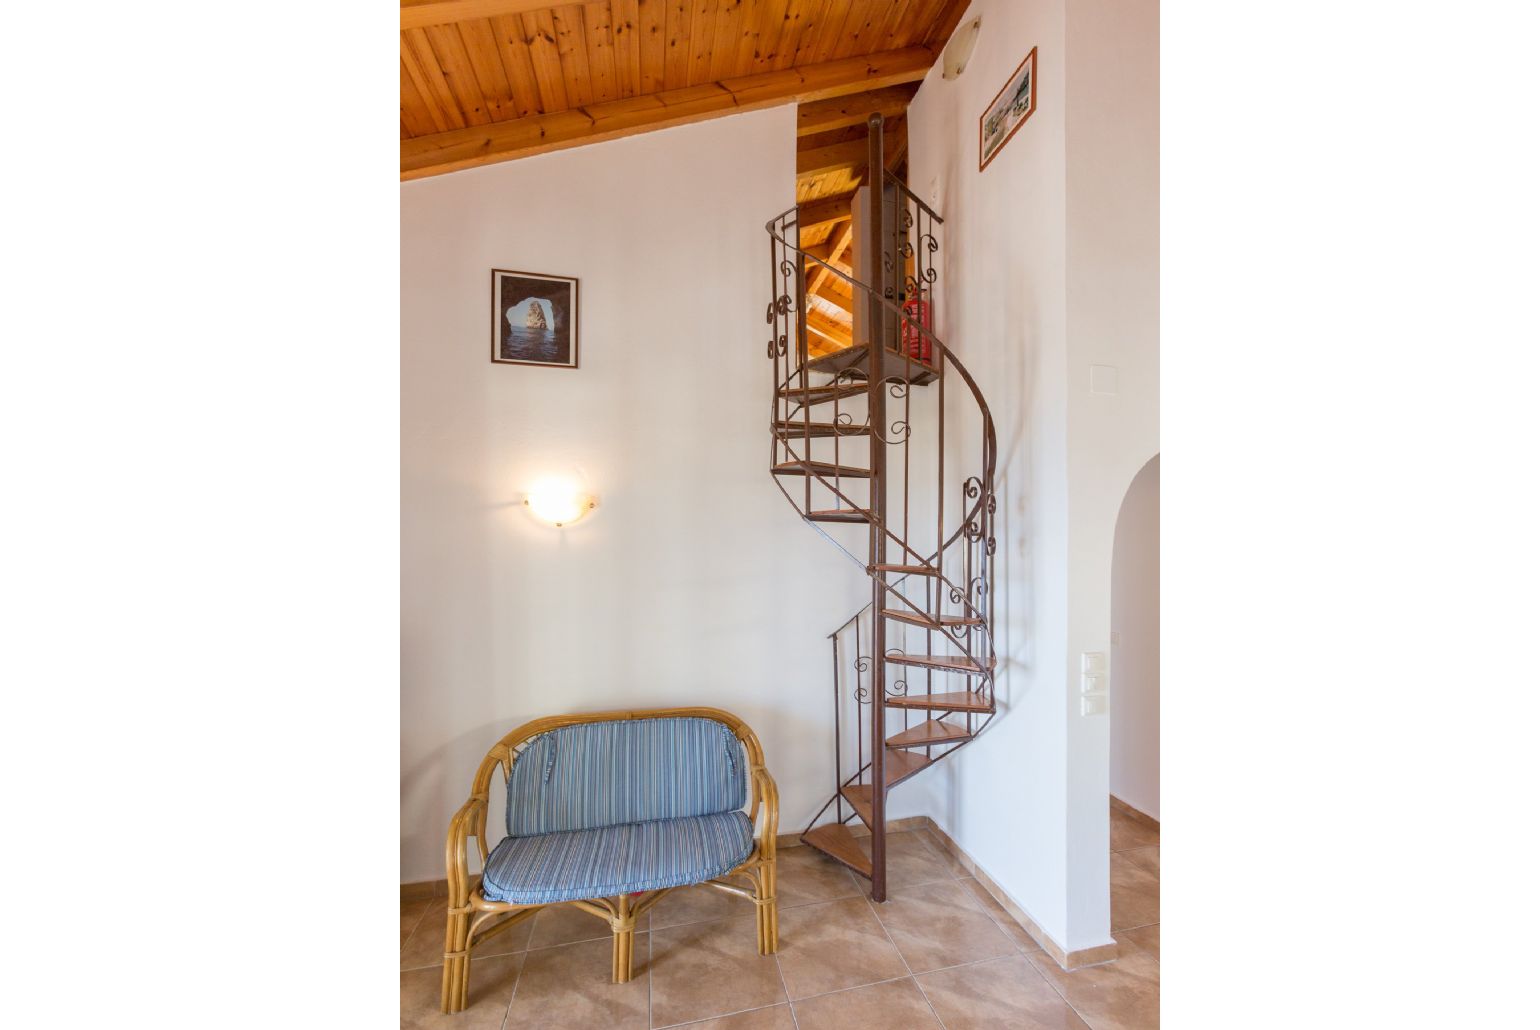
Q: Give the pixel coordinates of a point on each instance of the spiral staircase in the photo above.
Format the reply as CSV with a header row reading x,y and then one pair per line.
x,y
855,443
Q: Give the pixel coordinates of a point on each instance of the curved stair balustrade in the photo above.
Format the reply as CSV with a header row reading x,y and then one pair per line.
x,y
914,670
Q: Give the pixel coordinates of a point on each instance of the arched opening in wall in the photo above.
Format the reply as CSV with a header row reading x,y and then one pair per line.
x,y
1134,709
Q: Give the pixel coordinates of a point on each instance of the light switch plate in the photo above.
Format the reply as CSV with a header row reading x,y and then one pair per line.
x,y
1104,379
1095,704
1093,662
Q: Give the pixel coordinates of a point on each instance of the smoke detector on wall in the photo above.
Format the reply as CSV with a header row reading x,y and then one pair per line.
x,y
954,58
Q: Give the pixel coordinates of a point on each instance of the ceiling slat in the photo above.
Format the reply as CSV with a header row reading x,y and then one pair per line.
x,y
724,45
652,36
676,61
418,117
599,37
703,27
421,64
540,31
500,141
481,48
417,14
513,51
625,29
573,48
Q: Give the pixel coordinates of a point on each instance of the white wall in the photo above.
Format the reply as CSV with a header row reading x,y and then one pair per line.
x,y
1136,645
1049,266
693,582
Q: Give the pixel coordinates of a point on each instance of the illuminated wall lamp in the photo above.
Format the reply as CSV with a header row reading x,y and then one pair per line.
x,y
560,504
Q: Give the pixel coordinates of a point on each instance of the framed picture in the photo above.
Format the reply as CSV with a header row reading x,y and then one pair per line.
x,y
534,319
1010,108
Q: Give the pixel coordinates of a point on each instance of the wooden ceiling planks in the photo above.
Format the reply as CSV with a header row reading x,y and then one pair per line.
x,y
471,64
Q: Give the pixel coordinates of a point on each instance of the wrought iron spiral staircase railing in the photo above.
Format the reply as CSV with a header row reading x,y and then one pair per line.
x,y
932,607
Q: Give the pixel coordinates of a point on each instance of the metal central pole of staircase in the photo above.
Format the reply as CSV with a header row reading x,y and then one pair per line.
x,y
877,415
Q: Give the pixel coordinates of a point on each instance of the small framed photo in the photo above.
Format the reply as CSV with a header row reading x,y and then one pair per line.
x,y
1009,110
534,319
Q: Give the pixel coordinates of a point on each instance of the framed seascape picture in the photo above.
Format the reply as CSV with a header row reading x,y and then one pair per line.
x,y
1009,110
534,319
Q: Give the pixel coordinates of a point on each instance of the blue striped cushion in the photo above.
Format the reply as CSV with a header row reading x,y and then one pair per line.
x,y
598,774
616,859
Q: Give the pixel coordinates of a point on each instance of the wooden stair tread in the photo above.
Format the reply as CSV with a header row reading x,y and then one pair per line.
x,y
893,364
839,515
927,619
946,663
904,570
954,701
860,797
809,430
836,841
819,468
825,393
897,766
930,732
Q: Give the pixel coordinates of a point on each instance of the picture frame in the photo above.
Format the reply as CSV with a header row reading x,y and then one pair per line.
x,y
1009,110
534,319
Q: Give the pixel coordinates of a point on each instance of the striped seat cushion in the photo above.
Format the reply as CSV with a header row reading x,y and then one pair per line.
x,y
598,774
612,860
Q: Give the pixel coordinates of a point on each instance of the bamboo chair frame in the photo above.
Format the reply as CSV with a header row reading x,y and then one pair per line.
x,y
472,918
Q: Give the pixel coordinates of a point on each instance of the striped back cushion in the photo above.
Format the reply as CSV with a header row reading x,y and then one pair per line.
x,y
629,771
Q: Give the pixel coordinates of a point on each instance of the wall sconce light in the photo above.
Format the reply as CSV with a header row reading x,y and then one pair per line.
x,y
560,502
954,58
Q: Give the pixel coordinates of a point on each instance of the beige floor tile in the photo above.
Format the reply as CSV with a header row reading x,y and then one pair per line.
x,y
833,946
700,970
411,915
777,1017
1126,832
1002,918
895,1005
940,924
1146,937
958,870
1006,992
569,988
912,860
563,924
698,905
1147,859
1120,995
1135,893
805,876
491,987
425,947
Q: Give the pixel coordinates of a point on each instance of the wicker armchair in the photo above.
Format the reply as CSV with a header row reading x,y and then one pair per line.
x,y
608,813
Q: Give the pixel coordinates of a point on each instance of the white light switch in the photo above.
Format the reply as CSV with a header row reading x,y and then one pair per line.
x,y
1094,705
1093,661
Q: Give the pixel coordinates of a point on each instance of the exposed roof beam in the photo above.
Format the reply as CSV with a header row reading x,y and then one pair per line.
x,y
824,115
815,214
851,153
828,328
417,14
821,274
539,134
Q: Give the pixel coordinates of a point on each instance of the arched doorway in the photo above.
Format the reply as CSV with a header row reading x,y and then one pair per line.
x,y
1135,679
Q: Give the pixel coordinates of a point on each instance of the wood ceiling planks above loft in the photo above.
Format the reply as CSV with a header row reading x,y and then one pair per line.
x,y
493,80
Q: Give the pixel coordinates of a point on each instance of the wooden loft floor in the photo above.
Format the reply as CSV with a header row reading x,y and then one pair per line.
x,y
494,80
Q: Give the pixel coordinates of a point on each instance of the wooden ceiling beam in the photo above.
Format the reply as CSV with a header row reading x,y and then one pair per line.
x,y
538,134
824,115
815,214
831,157
841,244
828,328
419,14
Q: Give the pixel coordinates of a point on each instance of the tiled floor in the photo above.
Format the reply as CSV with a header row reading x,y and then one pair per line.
x,y
939,953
